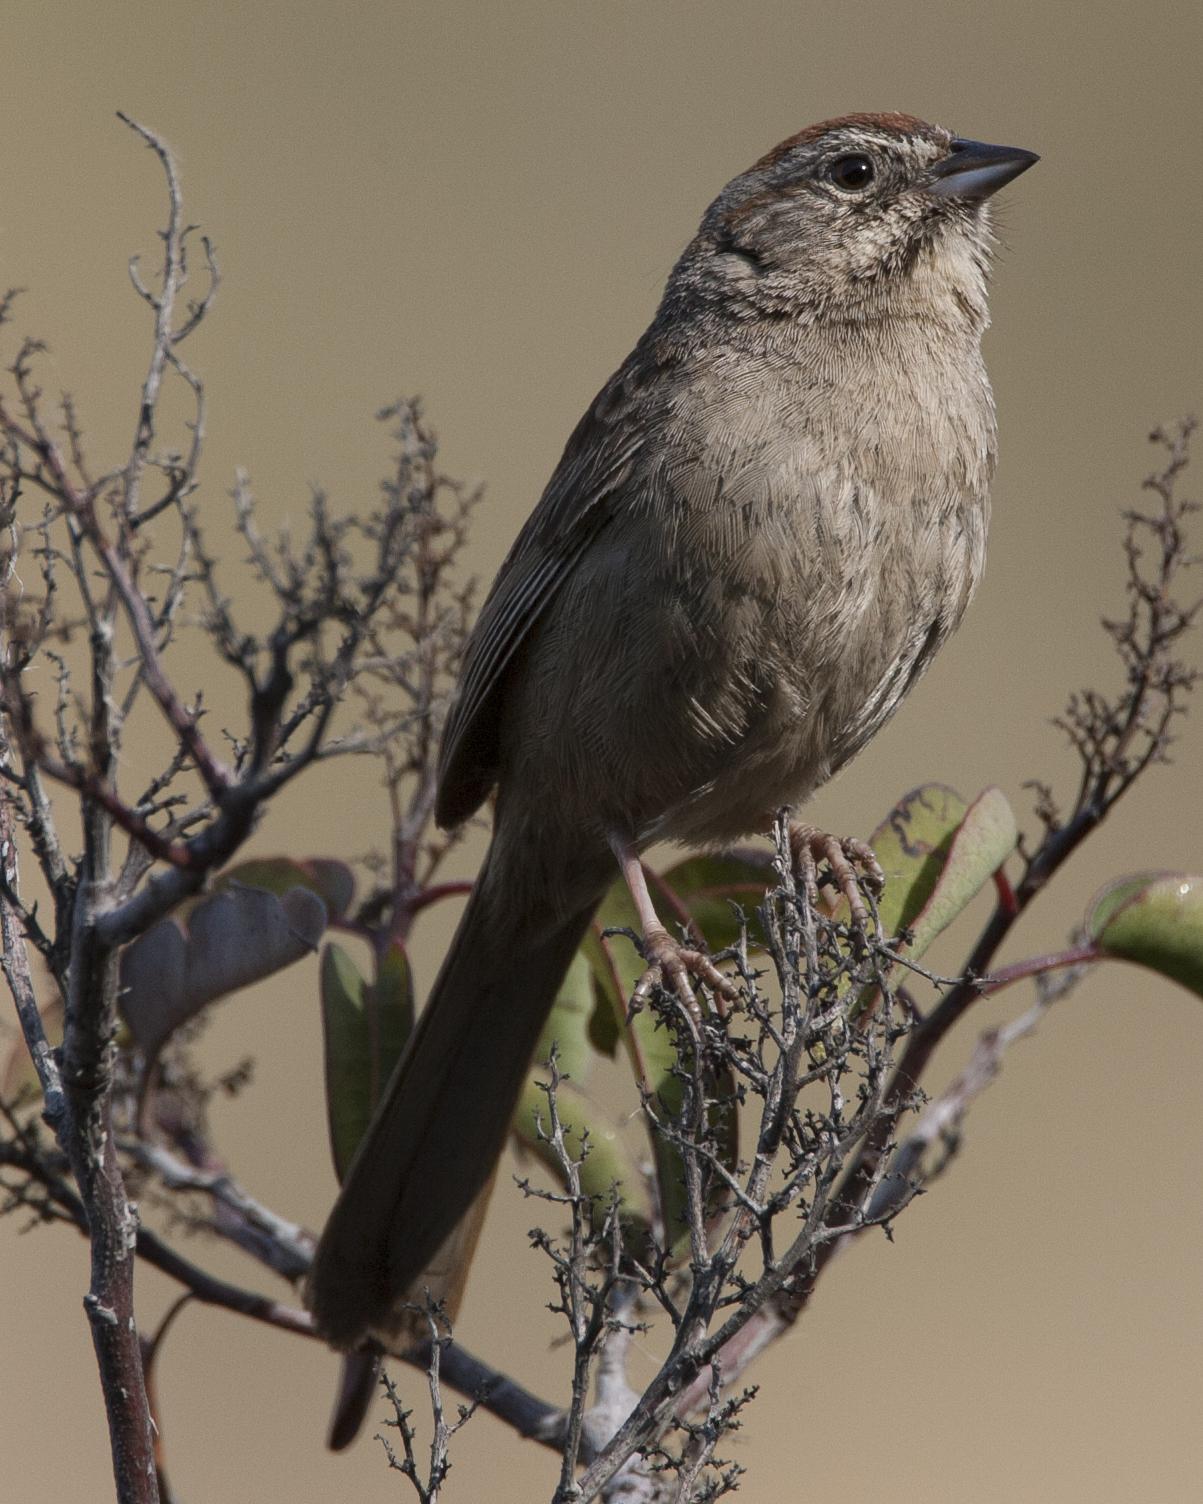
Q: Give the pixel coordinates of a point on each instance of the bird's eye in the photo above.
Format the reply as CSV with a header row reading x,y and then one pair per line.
x,y
852,173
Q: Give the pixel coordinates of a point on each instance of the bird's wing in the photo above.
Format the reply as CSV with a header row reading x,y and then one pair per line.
x,y
577,503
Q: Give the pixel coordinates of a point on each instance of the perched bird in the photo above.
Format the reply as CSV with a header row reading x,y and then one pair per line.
x,y
759,533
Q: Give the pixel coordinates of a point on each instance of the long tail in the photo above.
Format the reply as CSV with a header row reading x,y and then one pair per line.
x,y
442,1123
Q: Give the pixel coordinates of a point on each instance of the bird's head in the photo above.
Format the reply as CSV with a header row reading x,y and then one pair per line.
x,y
863,213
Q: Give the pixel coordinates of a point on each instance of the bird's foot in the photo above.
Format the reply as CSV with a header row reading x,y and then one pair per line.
x,y
843,856
670,965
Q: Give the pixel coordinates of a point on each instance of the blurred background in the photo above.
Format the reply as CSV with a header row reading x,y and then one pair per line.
x,y
480,203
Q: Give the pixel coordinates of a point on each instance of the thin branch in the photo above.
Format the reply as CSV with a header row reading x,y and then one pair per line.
x,y
15,963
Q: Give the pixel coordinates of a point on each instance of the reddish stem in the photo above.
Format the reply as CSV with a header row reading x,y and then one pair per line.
x,y
1076,955
436,892
1007,901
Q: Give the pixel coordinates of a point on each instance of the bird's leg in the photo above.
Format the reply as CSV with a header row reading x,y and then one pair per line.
x,y
668,961
843,855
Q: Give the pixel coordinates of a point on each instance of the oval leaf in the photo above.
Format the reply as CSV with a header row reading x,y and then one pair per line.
x,y
697,893
1112,897
568,1024
615,967
225,942
707,890
1156,920
912,844
609,1164
694,892
365,1027
983,841
938,855
332,881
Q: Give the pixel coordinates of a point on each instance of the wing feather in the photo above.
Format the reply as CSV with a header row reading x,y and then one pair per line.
x,y
578,502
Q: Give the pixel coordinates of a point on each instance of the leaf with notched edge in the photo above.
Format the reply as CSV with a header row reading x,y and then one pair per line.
x,y
937,854
911,845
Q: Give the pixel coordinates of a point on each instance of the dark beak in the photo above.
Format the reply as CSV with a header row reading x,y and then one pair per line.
x,y
974,170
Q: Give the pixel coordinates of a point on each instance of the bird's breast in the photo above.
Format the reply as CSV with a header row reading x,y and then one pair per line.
x,y
780,571
810,578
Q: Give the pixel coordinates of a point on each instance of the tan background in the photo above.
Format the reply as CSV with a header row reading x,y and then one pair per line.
x,y
479,202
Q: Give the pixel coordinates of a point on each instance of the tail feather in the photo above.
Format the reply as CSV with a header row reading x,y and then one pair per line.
x,y
441,1125
356,1390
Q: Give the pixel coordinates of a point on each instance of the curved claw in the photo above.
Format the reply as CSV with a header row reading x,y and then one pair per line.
x,y
843,855
671,964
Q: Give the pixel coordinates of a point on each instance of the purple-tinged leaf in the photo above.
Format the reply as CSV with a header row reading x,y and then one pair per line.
x,y
332,881
225,942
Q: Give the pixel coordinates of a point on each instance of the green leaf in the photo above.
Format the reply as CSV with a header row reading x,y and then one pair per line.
x,y
656,1053
706,887
610,1162
912,844
605,1027
365,1027
1156,920
615,966
625,965
652,1051
1112,897
653,1054
568,1024
699,889
937,854
332,881
346,1052
983,841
